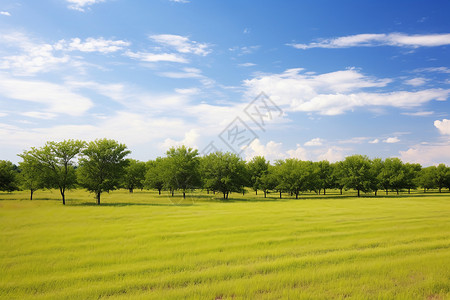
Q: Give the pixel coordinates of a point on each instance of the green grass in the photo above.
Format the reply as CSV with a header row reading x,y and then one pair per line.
x,y
142,246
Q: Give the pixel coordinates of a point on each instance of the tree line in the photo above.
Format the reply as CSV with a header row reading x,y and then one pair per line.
x,y
101,166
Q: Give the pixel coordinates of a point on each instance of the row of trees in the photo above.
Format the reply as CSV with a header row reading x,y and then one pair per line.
x,y
100,166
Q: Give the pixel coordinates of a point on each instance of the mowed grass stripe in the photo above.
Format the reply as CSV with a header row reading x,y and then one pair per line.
x,y
316,248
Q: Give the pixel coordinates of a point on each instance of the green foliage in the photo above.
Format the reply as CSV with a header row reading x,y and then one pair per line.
x,y
182,169
357,173
8,176
223,172
56,159
33,175
154,177
257,168
134,176
102,166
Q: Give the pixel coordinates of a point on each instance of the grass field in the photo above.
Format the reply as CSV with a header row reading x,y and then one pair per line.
x,y
141,245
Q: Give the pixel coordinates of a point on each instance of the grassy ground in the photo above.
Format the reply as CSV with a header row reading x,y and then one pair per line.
x,y
144,246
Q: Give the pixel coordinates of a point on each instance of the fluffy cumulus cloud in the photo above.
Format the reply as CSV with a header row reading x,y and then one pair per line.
x,y
181,44
82,5
382,39
391,140
336,92
427,154
271,151
314,142
5,13
443,126
190,140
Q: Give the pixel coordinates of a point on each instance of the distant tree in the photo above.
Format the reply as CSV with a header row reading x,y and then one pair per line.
x,y
427,178
56,159
8,176
442,176
32,174
223,172
324,175
338,175
154,177
257,167
392,175
134,176
182,169
102,166
411,172
356,173
268,181
375,177
296,176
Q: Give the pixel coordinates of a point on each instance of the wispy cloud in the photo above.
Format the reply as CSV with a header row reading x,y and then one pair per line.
x,y
416,81
181,44
391,140
82,5
314,142
180,1
336,92
5,13
92,45
248,64
156,57
382,39
418,113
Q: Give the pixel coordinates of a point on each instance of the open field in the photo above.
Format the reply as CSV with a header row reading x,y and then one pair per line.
x,y
141,245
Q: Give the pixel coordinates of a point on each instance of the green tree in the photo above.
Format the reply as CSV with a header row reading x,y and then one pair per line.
x,y
182,169
338,175
8,176
356,173
296,176
392,174
257,167
223,172
427,178
32,174
324,175
56,159
268,180
154,177
411,172
442,176
102,166
375,170
134,176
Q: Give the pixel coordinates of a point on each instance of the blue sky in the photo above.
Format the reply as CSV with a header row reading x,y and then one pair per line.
x,y
341,77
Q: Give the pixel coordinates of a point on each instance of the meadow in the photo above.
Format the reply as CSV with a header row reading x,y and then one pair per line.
x,y
146,246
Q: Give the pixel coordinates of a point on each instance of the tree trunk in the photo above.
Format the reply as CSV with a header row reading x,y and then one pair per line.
x,y
324,191
424,190
243,192
227,195
172,193
224,194
341,190
207,191
358,193
280,194
130,190
376,193
184,195
440,189
387,192
409,191
319,190
62,195
159,191
98,198
397,191
31,194
264,193
296,195
256,191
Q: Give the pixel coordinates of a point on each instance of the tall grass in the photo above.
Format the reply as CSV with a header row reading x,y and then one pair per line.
x,y
145,246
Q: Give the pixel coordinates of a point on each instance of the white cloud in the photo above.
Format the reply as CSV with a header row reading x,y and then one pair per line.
x,y
444,70
5,13
333,154
55,98
39,115
298,152
2,114
92,45
271,151
375,141
443,126
182,44
315,142
244,50
391,140
336,92
190,140
248,64
418,113
186,73
180,1
427,154
81,5
156,57
416,81
372,40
